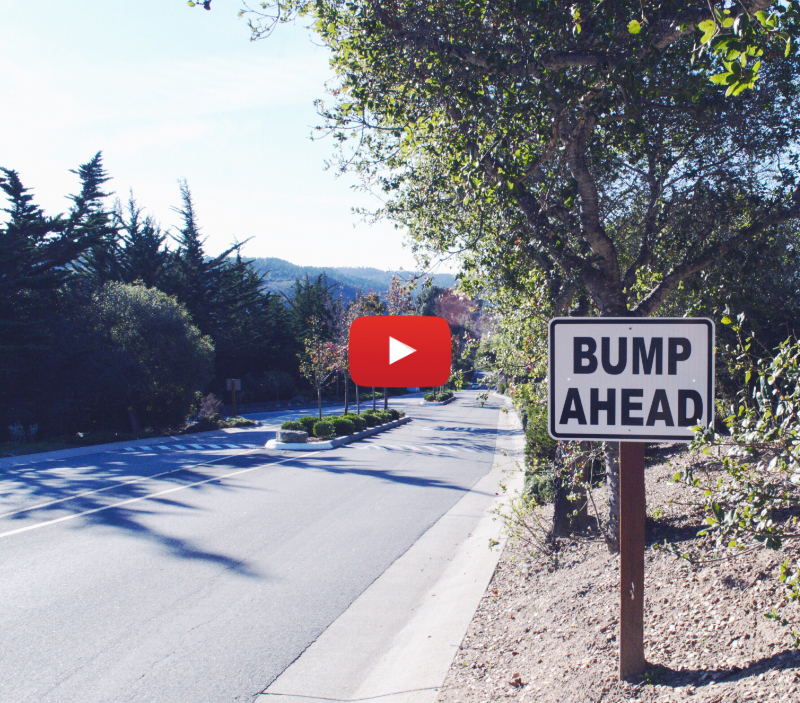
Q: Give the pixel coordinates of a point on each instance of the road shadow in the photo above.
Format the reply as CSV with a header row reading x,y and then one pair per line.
x,y
124,506
336,464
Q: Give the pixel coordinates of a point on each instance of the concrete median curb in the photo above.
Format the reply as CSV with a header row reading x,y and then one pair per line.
x,y
437,402
338,442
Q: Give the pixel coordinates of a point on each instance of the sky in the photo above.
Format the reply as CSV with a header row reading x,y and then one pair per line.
x,y
168,92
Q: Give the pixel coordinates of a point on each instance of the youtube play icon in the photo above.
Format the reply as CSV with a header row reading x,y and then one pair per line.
x,y
399,351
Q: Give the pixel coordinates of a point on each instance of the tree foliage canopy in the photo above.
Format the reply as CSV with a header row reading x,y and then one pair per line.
x,y
592,139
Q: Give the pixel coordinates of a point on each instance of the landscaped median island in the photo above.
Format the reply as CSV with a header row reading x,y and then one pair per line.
x,y
310,433
440,398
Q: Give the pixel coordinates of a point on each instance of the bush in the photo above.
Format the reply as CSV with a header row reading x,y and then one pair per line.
x,y
539,487
324,429
748,485
394,414
438,397
343,426
308,422
371,419
293,425
401,413
359,423
385,416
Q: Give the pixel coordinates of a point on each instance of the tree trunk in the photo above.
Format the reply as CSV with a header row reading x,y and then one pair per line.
x,y
358,402
346,392
385,401
570,475
319,402
560,525
373,399
134,418
612,483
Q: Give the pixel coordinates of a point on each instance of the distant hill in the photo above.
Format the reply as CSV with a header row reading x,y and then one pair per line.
x,y
280,275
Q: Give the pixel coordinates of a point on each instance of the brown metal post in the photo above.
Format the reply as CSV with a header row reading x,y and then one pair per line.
x,y
631,559
233,397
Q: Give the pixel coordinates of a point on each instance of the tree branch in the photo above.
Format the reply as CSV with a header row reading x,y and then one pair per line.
x,y
692,264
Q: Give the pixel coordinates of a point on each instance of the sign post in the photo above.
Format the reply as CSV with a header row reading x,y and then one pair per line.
x,y
631,559
234,384
631,380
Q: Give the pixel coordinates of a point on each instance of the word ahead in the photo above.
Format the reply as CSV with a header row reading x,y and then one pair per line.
x,y
399,350
630,379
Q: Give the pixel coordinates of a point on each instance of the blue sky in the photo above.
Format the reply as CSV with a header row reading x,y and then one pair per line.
x,y
169,92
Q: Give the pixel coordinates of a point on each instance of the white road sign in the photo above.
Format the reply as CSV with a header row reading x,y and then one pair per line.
x,y
630,379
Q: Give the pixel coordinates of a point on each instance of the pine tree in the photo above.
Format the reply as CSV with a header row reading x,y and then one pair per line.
x,y
88,218
195,279
144,256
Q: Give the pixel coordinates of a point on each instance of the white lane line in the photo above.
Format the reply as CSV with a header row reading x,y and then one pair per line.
x,y
231,446
162,447
413,448
150,495
131,449
119,484
197,446
449,449
178,446
213,446
393,446
435,450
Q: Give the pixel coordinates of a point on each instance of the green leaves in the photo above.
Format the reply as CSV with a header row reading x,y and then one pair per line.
x,y
708,28
634,27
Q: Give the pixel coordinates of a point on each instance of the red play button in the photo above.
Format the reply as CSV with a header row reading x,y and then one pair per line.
x,y
399,350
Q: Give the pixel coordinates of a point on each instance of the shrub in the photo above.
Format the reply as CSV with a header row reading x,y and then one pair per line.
x,y
393,414
293,425
359,423
343,426
384,416
308,422
539,487
401,413
209,406
324,429
371,419
748,488
438,397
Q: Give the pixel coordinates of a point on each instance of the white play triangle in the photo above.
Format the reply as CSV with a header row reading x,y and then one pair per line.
x,y
398,350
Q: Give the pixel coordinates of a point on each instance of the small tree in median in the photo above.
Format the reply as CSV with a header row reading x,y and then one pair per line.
x,y
319,360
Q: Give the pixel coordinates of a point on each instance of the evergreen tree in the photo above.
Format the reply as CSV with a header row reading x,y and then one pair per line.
x,y
144,256
195,279
88,217
313,301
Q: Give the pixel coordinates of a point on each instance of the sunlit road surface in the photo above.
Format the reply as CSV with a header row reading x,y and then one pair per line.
x,y
191,573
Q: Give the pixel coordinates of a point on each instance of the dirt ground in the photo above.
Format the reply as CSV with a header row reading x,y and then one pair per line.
x,y
547,632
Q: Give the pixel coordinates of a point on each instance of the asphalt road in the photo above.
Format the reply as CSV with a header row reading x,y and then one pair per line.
x,y
199,570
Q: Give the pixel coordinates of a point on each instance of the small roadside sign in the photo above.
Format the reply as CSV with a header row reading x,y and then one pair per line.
x,y
234,384
630,379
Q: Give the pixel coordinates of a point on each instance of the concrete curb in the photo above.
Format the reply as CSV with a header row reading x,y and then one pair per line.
x,y
437,402
338,442
397,641
24,459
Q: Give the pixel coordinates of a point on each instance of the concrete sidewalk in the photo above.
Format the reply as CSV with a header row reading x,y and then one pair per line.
x,y
396,642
